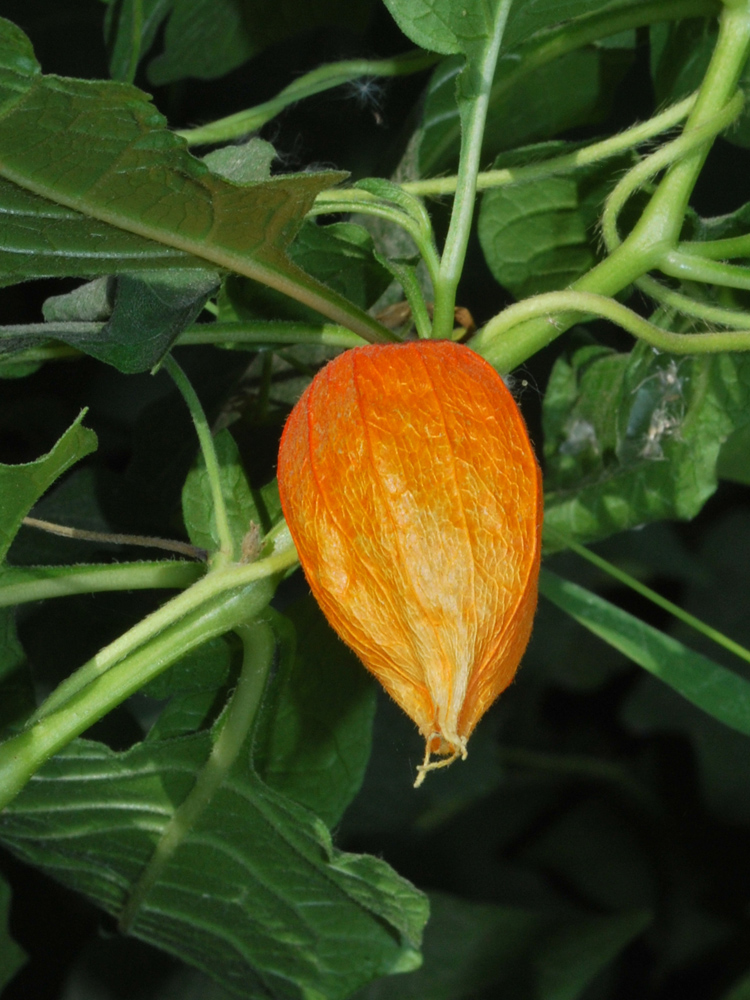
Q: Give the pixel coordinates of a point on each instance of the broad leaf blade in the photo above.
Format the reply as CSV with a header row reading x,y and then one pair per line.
x,y
197,499
636,438
208,38
525,106
102,151
149,311
476,949
314,740
22,485
256,895
717,691
541,236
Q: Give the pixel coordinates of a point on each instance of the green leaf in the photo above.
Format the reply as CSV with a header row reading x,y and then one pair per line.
x,y
636,438
525,106
22,485
197,500
12,955
255,894
315,735
129,29
208,38
476,949
715,690
341,255
244,164
720,595
541,236
102,161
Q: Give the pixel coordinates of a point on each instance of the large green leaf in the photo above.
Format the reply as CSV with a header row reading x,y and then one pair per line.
x,y
541,236
314,739
472,948
526,105
130,27
149,311
84,162
208,38
22,485
636,438
254,893
717,691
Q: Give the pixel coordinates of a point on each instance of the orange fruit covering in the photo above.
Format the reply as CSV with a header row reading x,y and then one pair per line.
x,y
414,499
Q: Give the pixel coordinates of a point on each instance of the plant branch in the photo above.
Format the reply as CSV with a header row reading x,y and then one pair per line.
x,y
474,108
19,585
212,586
673,609
143,541
22,755
594,153
225,553
318,80
493,345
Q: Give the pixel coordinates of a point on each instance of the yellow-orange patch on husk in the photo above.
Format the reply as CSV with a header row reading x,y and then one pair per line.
x,y
414,499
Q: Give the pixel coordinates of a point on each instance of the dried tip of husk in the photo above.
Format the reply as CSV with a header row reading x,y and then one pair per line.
x,y
455,747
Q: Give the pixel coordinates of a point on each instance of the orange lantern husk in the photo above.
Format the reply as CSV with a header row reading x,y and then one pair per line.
x,y
414,499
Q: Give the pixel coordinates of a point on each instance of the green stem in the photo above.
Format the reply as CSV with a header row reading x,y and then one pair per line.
x,y
692,140
674,609
733,318
318,80
22,755
657,231
594,153
225,553
19,585
365,203
478,76
734,246
269,333
258,649
210,587
498,349
688,268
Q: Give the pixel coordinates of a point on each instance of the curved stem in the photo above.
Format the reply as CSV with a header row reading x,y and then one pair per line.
x,y
365,203
212,586
672,152
711,272
22,755
493,346
318,80
733,318
258,649
594,153
225,553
